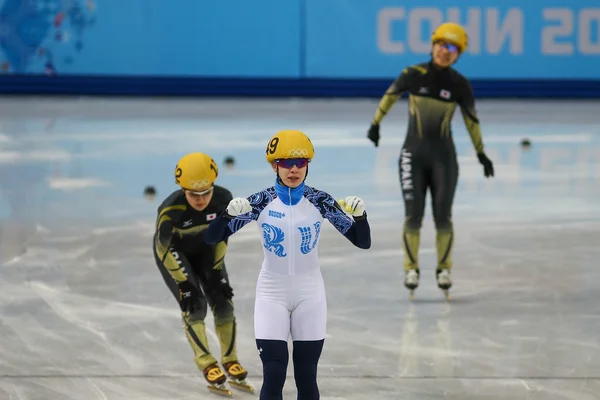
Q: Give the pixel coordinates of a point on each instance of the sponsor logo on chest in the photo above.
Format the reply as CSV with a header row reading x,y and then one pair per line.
x,y
276,214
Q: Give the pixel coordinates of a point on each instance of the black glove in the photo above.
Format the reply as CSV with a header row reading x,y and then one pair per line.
x,y
374,134
488,167
218,285
226,289
188,296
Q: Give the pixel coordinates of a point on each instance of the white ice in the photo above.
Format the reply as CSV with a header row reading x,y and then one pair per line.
x,y
84,313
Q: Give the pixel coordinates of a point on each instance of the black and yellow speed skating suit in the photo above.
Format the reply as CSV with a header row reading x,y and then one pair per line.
x,y
182,254
428,157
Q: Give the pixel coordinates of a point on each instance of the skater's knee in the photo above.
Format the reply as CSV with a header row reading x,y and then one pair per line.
x,y
272,350
442,216
306,356
413,222
307,352
443,223
274,357
223,319
223,312
199,313
274,372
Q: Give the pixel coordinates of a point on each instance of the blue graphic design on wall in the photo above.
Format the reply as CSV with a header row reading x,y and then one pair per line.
x,y
273,238
36,35
273,39
306,232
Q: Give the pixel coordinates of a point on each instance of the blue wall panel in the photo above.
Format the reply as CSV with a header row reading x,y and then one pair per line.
x,y
508,39
538,48
152,37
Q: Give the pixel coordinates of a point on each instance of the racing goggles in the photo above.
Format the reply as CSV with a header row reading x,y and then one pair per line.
x,y
200,194
288,163
452,48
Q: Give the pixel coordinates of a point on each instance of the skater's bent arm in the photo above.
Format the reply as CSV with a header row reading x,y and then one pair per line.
x,y
220,250
356,229
392,94
467,107
385,105
360,232
218,230
164,232
225,225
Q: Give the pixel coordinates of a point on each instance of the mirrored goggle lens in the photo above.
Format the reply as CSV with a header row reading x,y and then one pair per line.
x,y
290,162
450,47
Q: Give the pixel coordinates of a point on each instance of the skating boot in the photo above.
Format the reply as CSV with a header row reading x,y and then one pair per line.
x,y
444,281
216,380
237,376
411,281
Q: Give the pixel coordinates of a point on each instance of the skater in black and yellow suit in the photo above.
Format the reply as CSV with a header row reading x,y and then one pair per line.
x,y
195,271
428,158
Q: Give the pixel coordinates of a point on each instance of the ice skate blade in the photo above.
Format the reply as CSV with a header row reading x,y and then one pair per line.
x,y
412,295
220,390
446,294
242,385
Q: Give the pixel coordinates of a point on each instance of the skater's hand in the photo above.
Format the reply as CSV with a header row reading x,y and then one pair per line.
x,y
218,284
373,134
188,295
488,167
354,205
238,206
226,289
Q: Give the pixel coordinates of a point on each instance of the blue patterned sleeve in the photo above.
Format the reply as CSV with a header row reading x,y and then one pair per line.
x,y
357,230
223,227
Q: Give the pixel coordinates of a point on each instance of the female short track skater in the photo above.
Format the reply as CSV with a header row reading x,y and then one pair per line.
x,y
195,272
290,294
428,158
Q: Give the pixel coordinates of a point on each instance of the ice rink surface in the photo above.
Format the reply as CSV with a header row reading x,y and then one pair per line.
x,y
84,313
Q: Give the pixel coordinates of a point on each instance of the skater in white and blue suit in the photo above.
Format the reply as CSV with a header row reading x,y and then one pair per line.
x,y
290,294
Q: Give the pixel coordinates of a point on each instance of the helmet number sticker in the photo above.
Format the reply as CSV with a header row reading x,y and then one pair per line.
x,y
213,166
178,173
272,148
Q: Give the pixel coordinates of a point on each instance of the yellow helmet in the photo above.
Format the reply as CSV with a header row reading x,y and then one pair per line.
x,y
289,144
196,171
453,33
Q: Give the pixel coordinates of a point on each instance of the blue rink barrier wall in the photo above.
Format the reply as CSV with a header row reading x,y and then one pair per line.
x,y
535,49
